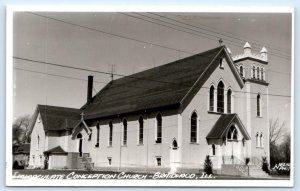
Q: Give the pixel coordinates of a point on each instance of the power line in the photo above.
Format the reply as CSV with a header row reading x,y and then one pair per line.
x,y
101,72
56,75
233,37
229,42
111,34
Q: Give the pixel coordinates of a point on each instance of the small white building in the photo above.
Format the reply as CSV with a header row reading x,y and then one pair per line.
x,y
166,118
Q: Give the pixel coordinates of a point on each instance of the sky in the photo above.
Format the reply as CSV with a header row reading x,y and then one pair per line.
x,y
133,42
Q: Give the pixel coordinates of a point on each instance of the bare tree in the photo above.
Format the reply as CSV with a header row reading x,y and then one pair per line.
x,y
21,129
276,130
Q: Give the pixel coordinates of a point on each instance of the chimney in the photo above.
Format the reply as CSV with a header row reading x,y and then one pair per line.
x,y
264,53
247,49
90,89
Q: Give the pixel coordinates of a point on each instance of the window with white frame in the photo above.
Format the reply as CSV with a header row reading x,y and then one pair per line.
x,y
211,98
158,128
124,132
141,130
110,138
232,134
242,71
261,140
109,161
253,71
98,135
257,138
158,161
229,92
262,74
220,97
38,143
194,125
258,105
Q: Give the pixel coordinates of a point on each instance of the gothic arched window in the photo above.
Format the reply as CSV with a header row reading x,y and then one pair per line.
x,y
211,98
220,97
141,130
242,71
262,74
124,132
229,101
158,128
194,122
253,71
258,102
232,133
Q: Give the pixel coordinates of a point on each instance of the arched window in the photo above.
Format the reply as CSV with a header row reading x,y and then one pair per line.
x,y
262,74
242,71
253,71
221,63
79,136
229,101
124,132
220,97
213,150
110,139
261,141
211,98
174,144
98,135
194,121
232,133
258,73
141,130
38,143
258,105
158,128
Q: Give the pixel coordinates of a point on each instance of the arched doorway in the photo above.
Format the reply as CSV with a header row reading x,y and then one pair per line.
x,y
232,150
80,141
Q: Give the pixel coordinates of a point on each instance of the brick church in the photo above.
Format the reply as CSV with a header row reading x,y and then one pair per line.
x,y
168,118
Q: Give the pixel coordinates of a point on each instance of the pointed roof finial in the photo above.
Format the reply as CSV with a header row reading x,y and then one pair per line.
x,y
220,41
247,45
263,50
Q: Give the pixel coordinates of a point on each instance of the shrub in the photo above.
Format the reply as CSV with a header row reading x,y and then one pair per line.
x,y
265,165
208,167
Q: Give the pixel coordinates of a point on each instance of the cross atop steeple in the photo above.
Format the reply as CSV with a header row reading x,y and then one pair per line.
x,y
220,41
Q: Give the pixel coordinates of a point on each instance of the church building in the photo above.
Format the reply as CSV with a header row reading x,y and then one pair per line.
x,y
168,118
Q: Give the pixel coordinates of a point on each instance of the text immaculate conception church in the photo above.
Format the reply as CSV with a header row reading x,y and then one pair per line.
x,y
168,118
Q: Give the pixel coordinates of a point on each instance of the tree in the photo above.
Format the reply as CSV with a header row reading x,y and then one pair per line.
x,y
276,130
20,129
279,151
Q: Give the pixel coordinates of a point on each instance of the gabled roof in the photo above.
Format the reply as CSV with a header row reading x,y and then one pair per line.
x,y
23,149
162,86
55,150
223,124
56,118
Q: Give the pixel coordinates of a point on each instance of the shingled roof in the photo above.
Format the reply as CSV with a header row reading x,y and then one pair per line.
x,y
56,150
162,86
223,123
56,118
